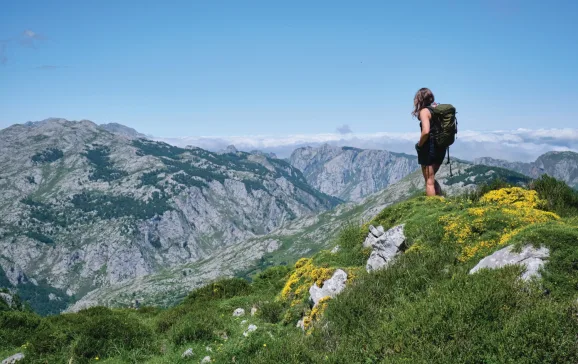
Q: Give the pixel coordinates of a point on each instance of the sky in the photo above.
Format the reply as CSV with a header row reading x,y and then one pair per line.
x,y
229,68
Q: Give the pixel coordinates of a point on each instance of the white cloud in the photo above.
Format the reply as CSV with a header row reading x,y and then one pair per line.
x,y
515,145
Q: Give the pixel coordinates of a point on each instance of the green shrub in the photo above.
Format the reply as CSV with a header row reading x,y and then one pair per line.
x,y
225,288
559,197
271,312
271,279
197,326
17,327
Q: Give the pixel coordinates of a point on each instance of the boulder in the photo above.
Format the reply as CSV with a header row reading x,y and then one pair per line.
x,y
385,246
6,298
531,258
249,330
239,312
301,324
13,359
331,287
188,353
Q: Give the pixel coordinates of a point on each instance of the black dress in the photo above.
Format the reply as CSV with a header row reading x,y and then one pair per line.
x,y
429,154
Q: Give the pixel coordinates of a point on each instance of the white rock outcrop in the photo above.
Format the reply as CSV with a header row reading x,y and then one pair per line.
x,y
531,258
249,330
386,245
13,359
331,287
239,312
188,353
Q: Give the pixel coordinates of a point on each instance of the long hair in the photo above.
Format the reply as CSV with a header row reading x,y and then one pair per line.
x,y
423,98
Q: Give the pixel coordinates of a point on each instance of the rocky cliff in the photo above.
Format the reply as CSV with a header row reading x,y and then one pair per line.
x,y
351,173
560,165
84,208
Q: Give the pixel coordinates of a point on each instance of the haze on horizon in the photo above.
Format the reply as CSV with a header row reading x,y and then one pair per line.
x,y
257,68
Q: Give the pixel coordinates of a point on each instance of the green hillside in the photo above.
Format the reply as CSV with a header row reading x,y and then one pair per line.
x,y
424,308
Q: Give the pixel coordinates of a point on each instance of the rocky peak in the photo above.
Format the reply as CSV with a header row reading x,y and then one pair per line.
x,y
351,173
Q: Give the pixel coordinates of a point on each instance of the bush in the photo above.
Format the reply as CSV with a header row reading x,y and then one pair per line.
x,y
271,312
226,288
196,326
17,327
560,198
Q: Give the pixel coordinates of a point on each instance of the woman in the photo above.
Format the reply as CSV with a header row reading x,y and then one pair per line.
x,y
429,156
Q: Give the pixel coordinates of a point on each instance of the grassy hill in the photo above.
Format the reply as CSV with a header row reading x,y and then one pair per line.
x,y
424,308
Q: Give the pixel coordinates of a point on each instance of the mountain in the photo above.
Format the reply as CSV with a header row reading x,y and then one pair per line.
x,y
84,208
123,130
560,165
350,173
292,240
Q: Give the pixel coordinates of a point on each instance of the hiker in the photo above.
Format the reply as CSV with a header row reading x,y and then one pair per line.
x,y
429,155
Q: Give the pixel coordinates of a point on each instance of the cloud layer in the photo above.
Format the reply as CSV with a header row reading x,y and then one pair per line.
x,y
514,145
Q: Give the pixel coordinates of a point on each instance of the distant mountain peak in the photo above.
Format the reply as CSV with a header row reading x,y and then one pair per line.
x,y
122,130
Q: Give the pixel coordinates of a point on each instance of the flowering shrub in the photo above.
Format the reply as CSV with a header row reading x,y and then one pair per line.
x,y
305,274
502,214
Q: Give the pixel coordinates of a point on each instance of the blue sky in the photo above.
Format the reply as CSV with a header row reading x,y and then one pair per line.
x,y
174,68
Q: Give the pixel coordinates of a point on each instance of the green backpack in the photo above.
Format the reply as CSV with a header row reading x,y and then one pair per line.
x,y
444,124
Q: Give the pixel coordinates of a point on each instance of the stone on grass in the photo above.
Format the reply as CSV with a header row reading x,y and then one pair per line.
x,y
206,360
250,329
301,324
13,359
335,250
531,258
188,353
331,287
385,247
253,311
239,312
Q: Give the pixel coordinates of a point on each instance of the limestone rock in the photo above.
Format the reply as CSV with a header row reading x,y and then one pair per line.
x,y
350,173
188,353
239,312
249,330
253,311
335,249
531,258
331,287
7,298
13,359
206,360
301,324
385,247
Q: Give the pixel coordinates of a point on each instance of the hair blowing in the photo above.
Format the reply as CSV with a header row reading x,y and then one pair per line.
x,y
423,98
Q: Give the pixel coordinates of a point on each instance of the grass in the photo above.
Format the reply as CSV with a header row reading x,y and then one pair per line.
x,y
424,308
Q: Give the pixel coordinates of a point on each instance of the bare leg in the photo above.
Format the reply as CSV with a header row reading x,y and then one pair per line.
x,y
429,176
437,186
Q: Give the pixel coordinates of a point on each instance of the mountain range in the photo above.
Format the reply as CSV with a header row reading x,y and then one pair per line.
x,y
100,215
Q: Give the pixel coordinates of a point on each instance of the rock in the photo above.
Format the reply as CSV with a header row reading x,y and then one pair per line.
x,y
13,359
301,324
377,232
188,353
253,311
385,247
239,312
244,322
206,359
335,250
272,246
208,348
7,298
531,258
250,329
331,287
